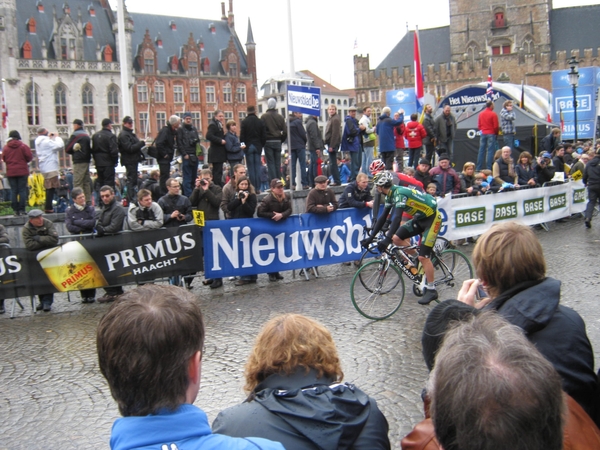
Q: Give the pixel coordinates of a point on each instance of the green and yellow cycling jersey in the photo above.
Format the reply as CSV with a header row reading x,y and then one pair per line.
x,y
416,203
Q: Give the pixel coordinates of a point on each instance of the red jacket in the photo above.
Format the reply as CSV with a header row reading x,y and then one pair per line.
x,y
414,134
399,135
16,155
488,122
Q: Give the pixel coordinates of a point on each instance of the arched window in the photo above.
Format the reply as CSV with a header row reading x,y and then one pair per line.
x,y
68,38
159,92
241,93
60,104
227,93
87,100
33,104
113,103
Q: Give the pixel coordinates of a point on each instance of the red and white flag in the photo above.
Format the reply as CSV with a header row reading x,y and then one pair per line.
x,y
4,108
419,93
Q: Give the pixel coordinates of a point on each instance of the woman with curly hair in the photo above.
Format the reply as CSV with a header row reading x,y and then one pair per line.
x,y
296,395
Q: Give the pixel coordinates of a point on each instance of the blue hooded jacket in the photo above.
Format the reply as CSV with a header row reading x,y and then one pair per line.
x,y
385,131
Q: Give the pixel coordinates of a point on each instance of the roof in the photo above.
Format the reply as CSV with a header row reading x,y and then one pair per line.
x,y
574,28
435,49
102,27
174,40
326,88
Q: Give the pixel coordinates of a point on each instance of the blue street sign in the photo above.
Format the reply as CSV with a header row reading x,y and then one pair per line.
x,y
304,99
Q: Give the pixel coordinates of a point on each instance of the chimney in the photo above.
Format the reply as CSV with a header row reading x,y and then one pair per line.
x,y
223,16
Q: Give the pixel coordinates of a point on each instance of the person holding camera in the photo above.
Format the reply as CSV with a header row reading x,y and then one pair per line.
x,y
47,146
187,140
544,170
207,197
242,206
177,208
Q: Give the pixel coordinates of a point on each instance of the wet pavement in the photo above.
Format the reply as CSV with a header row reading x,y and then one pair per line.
x,y
54,397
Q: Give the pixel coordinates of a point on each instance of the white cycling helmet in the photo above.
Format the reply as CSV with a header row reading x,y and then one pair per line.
x,y
384,179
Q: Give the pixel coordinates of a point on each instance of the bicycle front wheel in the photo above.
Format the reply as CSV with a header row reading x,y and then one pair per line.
x,y
377,290
451,270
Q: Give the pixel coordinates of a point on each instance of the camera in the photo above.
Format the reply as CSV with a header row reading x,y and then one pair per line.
x,y
203,182
242,195
181,217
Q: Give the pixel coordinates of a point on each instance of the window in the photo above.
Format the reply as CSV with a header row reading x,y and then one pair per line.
x,y
193,64
33,104
210,94
241,116
142,93
67,42
143,119
499,19
500,50
196,119
161,120
178,93
228,115
60,104
374,95
194,94
241,93
233,69
148,61
113,104
159,92
227,93
87,100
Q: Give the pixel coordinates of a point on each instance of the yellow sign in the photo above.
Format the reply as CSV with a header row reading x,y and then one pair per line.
x,y
577,175
199,218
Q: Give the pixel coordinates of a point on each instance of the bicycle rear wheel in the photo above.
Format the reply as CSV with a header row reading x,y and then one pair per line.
x,y
451,270
377,290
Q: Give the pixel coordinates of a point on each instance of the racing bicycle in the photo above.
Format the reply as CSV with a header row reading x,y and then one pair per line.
x,y
378,288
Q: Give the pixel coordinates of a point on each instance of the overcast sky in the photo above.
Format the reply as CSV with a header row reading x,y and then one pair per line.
x,y
324,31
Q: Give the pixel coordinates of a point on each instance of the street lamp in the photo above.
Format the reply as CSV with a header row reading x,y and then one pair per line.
x,y
574,81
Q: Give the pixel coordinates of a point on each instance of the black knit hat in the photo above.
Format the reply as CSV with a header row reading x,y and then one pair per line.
x,y
14,134
437,323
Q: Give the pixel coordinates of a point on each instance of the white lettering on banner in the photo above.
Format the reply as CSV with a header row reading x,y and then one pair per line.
x,y
149,252
310,244
158,265
295,256
337,240
246,245
220,241
12,263
353,228
257,248
303,99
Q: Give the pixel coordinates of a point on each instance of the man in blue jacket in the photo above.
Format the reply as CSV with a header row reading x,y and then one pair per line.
x,y
385,131
351,142
150,347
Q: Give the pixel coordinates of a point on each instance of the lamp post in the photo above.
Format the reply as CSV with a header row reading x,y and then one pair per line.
x,y
574,81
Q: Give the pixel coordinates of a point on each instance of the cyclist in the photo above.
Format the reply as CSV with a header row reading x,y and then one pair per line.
x,y
426,221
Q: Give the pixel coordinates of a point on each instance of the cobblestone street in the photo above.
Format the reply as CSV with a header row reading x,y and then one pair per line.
x,y
54,397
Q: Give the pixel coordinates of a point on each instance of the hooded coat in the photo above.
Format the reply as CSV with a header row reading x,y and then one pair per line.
x,y
305,412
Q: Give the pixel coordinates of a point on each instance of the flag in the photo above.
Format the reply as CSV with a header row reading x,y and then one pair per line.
x,y
562,121
490,90
522,94
549,118
419,94
4,108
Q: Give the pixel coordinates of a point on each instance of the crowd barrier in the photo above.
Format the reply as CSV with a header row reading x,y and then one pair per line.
x,y
254,246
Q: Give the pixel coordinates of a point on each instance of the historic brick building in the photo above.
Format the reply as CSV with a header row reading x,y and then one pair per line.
x,y
523,40
59,62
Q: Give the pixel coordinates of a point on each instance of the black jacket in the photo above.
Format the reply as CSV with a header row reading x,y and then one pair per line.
x,y
353,197
239,210
130,147
297,134
110,218
80,221
274,125
105,148
83,152
215,134
543,174
305,412
253,132
558,333
187,138
591,174
208,200
313,134
170,203
154,187
165,144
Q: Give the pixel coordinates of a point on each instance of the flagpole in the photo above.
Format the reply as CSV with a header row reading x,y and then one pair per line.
x,y
293,75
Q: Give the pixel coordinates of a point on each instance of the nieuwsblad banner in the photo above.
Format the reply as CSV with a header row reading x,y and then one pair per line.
x,y
471,216
108,261
248,247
